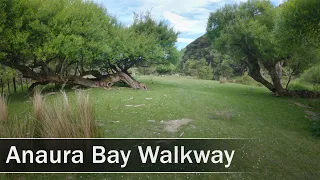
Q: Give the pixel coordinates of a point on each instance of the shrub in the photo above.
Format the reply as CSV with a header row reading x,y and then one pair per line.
x,y
300,85
199,69
165,69
312,75
205,72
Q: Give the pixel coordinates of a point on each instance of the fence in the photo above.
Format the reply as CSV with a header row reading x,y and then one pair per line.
x,y
14,85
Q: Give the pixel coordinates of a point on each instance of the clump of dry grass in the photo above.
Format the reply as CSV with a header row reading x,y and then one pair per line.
x,y
85,116
52,119
3,109
38,105
13,128
17,128
59,120
223,80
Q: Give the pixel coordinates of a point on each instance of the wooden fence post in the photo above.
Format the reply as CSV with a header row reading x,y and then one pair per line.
x,y
27,80
21,82
8,81
14,85
1,84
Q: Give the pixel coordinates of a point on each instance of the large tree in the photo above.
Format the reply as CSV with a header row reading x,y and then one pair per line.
x,y
298,23
247,31
62,41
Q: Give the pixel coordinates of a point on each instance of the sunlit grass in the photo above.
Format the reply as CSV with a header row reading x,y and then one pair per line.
x,y
285,142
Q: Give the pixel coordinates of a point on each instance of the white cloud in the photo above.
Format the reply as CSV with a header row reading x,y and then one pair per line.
x,y
185,24
189,17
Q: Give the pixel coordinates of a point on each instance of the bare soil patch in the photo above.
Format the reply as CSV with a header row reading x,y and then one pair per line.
x,y
175,125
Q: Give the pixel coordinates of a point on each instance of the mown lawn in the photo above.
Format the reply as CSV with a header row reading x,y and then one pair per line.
x,y
286,147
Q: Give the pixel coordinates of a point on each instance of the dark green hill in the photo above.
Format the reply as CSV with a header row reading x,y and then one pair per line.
x,y
198,49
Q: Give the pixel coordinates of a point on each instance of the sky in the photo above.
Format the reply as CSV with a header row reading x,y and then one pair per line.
x,y
189,17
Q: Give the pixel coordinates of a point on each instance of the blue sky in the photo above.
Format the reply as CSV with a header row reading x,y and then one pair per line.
x,y
189,17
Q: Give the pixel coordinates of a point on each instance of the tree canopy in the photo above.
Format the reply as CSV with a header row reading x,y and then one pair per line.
x,y
61,41
249,33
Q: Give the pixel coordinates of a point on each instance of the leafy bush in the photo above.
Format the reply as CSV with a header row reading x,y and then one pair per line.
x,y
312,75
301,85
205,72
165,69
223,70
199,69
147,70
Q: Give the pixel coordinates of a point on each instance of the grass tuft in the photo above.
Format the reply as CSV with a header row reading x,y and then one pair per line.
x,y
85,115
58,120
3,109
52,119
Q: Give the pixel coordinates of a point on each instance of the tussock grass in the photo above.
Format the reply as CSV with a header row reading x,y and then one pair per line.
x,y
3,109
17,128
13,127
85,115
52,119
59,120
38,105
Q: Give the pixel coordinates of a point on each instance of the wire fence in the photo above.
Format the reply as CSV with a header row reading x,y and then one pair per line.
x,y
14,85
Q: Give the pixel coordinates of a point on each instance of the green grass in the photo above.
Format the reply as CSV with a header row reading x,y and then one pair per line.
x,y
286,146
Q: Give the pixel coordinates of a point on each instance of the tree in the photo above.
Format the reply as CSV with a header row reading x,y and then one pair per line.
x,y
145,43
298,23
247,32
62,41
45,39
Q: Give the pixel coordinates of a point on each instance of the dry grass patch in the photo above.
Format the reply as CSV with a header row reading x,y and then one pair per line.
x,y
175,125
56,119
59,120
3,109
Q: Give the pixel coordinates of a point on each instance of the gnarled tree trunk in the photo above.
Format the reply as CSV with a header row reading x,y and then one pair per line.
x,y
105,81
275,86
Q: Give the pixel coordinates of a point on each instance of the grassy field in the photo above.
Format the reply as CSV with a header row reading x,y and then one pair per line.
x,y
282,125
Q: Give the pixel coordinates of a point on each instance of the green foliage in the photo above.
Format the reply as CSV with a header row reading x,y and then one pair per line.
x,y
63,38
298,23
7,73
312,75
144,70
241,27
223,66
165,69
164,35
199,69
53,35
253,34
300,84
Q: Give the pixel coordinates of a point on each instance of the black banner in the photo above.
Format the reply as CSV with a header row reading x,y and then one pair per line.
x,y
126,155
